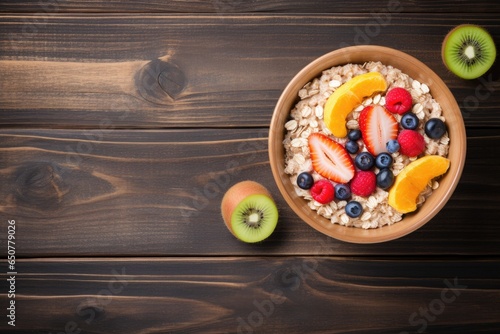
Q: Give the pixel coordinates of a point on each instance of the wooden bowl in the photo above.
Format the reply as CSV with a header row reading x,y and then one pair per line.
x,y
418,71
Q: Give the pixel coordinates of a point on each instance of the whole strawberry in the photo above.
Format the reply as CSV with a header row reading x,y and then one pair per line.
x,y
398,100
411,143
364,183
323,191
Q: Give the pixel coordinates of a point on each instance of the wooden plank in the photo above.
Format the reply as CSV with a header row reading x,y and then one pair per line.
x,y
246,295
118,192
157,71
239,6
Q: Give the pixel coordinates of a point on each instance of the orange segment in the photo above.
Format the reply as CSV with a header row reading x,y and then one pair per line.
x,y
345,98
412,180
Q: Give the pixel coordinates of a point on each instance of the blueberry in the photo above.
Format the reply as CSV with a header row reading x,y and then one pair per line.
x,y
364,161
342,191
435,128
353,209
385,178
352,147
305,180
392,146
383,160
354,135
409,121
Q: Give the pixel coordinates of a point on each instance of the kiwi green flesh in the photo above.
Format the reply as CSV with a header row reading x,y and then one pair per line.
x,y
254,218
469,52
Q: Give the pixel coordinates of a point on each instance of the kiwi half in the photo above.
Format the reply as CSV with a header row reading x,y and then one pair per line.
x,y
254,218
468,51
249,211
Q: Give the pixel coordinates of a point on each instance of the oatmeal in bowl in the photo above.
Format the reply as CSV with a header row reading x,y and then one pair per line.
x,y
307,119
366,144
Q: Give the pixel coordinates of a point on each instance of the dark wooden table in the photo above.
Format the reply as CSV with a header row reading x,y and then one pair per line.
x,y
118,123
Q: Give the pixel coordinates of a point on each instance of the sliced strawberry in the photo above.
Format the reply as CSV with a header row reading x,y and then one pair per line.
x,y
330,159
377,126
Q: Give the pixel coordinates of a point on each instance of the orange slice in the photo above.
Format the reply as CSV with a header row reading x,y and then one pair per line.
x,y
348,96
412,180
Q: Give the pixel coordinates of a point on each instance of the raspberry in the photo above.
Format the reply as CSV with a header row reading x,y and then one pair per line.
x,y
323,191
412,143
364,183
398,100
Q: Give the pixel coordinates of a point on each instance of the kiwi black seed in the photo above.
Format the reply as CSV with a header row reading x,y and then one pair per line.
x,y
255,218
468,51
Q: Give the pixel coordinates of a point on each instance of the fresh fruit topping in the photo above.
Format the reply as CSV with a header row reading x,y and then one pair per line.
x,y
383,160
364,183
342,191
377,126
305,180
468,51
249,211
398,100
409,121
364,161
330,159
352,146
412,143
413,179
435,128
354,135
392,146
323,191
345,98
353,209
385,178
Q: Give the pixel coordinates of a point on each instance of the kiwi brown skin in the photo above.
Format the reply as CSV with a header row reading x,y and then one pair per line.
x,y
443,44
236,194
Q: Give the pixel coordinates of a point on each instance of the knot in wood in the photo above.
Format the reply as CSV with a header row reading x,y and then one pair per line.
x,y
160,82
39,185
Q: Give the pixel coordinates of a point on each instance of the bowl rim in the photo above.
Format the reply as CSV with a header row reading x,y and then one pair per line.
x,y
371,53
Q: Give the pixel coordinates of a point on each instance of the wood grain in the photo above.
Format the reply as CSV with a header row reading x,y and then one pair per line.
x,y
158,192
123,122
239,6
261,295
159,71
